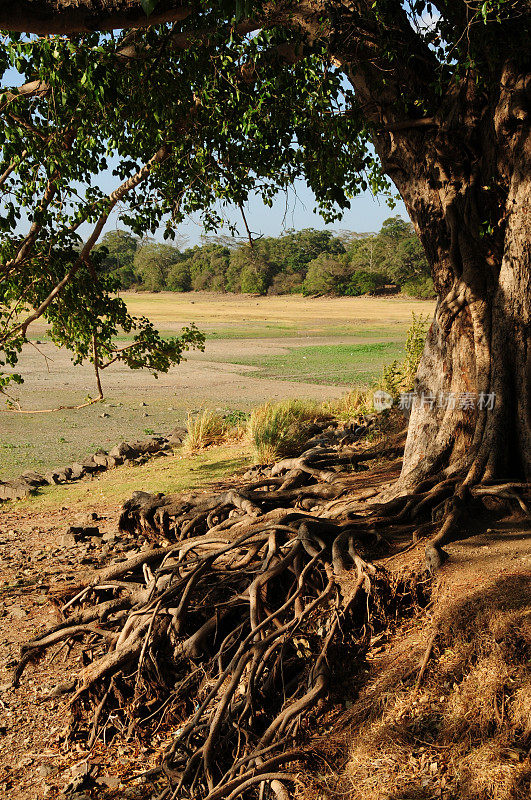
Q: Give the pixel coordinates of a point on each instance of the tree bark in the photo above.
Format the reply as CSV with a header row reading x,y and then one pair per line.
x,y
464,179
45,17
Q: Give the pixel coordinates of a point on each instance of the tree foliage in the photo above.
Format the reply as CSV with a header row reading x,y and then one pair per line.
x,y
308,261
213,123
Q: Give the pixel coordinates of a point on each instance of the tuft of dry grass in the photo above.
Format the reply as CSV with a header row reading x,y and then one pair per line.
x,y
352,405
278,430
209,428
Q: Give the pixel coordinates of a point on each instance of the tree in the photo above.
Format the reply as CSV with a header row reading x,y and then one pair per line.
x,y
120,247
208,267
399,255
153,262
253,271
326,274
249,95
179,279
446,106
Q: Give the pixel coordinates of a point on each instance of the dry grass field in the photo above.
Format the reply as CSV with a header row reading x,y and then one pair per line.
x,y
258,348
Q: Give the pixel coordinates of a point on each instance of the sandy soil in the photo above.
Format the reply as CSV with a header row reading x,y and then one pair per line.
x,y
201,373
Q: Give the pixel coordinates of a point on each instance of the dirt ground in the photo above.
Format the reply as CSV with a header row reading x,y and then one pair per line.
x,y
136,403
36,555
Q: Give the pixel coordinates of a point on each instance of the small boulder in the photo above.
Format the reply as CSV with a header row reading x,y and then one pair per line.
x,y
89,465
14,490
177,436
123,451
77,471
83,532
34,478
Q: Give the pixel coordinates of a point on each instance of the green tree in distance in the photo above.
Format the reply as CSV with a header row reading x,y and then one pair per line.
x,y
153,262
121,247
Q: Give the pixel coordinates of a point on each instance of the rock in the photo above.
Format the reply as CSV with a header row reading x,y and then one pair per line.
x,y
148,446
45,770
67,540
143,404
34,478
123,451
59,475
82,532
109,537
104,415
178,435
89,465
100,459
14,490
77,471
88,518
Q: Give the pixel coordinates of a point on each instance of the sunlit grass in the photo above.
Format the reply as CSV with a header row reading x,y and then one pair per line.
x,y
276,430
355,364
166,474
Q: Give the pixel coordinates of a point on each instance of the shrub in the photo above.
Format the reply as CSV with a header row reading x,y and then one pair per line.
x,y
361,282
204,429
399,377
277,430
326,274
179,279
421,288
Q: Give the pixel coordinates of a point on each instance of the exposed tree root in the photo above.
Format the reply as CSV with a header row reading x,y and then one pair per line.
x,y
229,634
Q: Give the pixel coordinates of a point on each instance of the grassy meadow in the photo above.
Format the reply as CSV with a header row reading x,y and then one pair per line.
x,y
258,348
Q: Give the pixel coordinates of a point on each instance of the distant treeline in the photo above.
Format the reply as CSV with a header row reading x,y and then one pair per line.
x,y
307,261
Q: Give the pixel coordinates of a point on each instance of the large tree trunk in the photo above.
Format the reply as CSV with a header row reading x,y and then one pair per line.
x,y
467,189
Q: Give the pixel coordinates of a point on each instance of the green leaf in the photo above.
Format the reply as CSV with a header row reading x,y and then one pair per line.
x,y
148,6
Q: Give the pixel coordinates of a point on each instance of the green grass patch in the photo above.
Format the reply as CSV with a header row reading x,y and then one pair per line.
x,y
354,364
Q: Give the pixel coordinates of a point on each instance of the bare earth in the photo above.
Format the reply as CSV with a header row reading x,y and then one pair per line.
x,y
36,762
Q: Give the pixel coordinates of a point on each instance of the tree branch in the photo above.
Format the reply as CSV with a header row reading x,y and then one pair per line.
x,y
45,17
113,199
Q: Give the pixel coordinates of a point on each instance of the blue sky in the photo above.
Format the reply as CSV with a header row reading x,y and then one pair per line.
x,y
295,210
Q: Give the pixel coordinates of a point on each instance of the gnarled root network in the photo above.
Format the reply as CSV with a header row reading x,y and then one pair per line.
x,y
228,637
229,642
